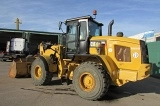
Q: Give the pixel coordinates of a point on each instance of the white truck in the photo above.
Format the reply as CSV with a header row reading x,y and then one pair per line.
x,y
15,48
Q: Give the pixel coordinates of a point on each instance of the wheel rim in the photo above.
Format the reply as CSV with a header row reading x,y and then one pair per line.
x,y
87,82
38,72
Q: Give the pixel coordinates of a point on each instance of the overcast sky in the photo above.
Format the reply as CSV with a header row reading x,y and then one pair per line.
x,y
131,16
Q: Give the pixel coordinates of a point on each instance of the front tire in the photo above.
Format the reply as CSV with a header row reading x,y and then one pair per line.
x,y
40,72
90,81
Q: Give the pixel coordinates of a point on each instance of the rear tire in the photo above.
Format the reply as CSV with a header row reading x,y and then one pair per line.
x,y
40,72
91,81
113,87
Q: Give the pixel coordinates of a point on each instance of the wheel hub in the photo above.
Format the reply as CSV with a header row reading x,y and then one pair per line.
x,y
87,82
38,72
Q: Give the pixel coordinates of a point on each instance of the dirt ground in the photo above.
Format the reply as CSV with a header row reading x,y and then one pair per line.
x,y
21,92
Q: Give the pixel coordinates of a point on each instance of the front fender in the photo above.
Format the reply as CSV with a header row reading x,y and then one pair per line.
x,y
52,67
107,63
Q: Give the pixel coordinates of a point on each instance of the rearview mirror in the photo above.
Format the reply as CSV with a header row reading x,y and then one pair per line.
x,y
60,25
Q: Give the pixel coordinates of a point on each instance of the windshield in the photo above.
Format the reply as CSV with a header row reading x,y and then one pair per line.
x,y
94,29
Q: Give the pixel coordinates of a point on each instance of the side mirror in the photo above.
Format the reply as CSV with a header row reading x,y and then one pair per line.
x,y
60,25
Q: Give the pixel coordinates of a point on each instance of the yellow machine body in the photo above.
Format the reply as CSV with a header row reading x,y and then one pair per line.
x,y
122,58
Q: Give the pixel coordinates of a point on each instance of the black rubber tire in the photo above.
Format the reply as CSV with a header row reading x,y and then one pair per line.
x,y
113,87
45,77
101,79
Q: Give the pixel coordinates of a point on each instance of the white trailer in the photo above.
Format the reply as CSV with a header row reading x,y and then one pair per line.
x,y
7,46
19,45
16,47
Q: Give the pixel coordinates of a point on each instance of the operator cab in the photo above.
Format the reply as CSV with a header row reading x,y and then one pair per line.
x,y
78,33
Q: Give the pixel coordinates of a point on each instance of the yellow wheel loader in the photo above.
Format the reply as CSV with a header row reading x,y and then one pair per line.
x,y
93,62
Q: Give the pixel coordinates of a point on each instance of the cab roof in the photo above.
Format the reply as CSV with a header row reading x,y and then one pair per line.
x,y
84,17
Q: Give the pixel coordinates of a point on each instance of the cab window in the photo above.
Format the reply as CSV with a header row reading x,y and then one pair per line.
x,y
83,30
71,33
94,29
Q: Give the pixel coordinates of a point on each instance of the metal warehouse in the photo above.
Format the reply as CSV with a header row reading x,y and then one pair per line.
x,y
33,37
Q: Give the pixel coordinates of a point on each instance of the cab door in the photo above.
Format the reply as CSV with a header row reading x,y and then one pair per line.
x,y
71,48
77,38
83,38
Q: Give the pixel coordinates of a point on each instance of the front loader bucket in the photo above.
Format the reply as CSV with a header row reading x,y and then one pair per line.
x,y
20,68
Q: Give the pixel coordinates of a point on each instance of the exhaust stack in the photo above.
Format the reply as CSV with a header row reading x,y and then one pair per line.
x,y
110,28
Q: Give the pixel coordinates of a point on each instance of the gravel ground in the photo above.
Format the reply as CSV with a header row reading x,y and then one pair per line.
x,y
21,92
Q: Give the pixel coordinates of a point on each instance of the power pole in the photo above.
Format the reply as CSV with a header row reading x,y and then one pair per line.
x,y
17,23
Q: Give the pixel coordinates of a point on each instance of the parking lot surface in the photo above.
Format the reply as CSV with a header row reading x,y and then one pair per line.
x,y
21,92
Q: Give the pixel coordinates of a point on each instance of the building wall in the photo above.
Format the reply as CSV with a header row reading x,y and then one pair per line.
x,y
34,37
6,36
154,57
